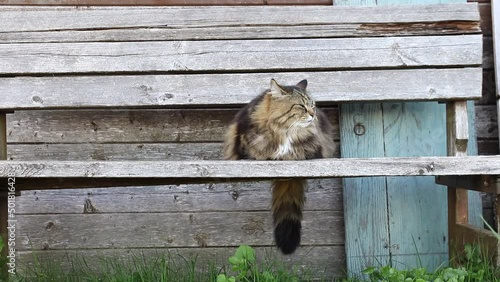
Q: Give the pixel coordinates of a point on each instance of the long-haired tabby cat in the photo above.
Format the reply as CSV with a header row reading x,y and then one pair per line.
x,y
282,124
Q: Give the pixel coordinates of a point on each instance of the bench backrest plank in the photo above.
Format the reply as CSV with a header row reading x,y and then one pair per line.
x,y
132,57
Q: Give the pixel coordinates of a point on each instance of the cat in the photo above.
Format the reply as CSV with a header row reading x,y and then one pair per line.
x,y
282,123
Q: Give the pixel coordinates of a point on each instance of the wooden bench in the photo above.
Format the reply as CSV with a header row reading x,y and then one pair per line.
x,y
60,58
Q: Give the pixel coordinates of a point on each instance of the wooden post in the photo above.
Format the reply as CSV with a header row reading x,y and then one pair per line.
x,y
457,137
3,198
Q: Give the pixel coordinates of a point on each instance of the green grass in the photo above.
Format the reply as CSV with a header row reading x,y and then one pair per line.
x,y
243,266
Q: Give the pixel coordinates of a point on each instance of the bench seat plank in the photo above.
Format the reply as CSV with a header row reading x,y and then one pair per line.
x,y
229,170
62,24
241,55
235,89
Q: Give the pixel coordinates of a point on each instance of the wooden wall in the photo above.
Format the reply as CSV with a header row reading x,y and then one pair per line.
x,y
109,221
486,111
206,220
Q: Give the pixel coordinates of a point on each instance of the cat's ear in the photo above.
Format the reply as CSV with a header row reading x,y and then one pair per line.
x,y
276,90
302,84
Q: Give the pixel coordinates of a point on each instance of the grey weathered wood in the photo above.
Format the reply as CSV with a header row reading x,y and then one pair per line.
x,y
171,23
147,151
320,262
235,89
206,229
45,18
129,126
202,56
322,194
225,170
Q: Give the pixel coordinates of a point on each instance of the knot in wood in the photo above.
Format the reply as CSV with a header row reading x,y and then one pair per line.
x,y
37,99
203,171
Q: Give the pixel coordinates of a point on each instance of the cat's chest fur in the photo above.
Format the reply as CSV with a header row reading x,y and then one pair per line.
x,y
284,148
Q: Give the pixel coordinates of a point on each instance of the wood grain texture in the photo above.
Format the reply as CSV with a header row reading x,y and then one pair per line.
x,y
365,199
97,24
322,262
127,126
40,18
415,129
207,229
164,2
322,195
206,56
320,168
164,91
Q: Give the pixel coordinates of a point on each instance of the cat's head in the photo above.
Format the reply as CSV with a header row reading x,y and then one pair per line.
x,y
291,106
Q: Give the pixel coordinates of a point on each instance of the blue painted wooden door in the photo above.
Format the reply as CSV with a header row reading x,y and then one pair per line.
x,y
400,221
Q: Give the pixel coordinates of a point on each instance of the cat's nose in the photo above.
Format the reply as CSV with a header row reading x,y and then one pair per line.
x,y
311,113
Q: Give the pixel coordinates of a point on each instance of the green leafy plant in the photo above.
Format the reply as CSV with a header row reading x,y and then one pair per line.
x,y
244,264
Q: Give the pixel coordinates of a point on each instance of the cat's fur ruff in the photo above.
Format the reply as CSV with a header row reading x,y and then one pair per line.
x,y
282,124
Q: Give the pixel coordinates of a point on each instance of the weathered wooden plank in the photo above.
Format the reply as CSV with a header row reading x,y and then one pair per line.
x,y
415,129
321,262
225,170
165,2
155,151
162,23
213,229
33,18
365,199
324,194
170,91
198,56
162,151
158,33
485,184
129,126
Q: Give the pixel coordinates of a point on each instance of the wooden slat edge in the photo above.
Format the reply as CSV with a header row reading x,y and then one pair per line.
x,y
213,170
481,183
162,91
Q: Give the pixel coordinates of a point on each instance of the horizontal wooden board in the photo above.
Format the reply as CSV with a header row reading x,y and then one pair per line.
x,y
321,262
219,171
235,89
487,122
117,152
129,126
88,151
240,55
165,2
322,194
157,230
33,24
33,18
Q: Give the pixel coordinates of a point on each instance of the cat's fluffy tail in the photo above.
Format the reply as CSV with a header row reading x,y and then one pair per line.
x,y
287,205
